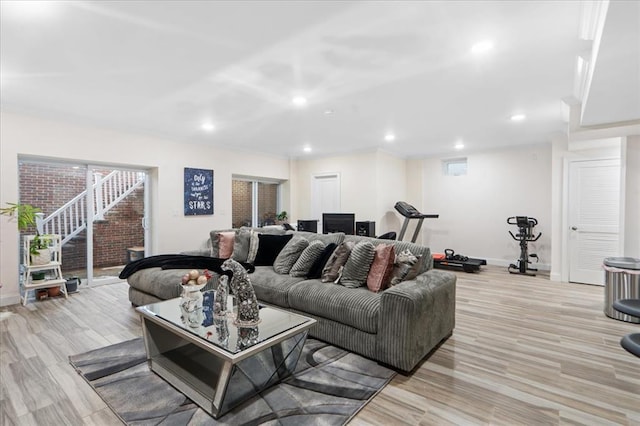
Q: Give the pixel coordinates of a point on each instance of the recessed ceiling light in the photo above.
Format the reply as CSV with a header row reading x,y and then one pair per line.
x,y
459,146
208,127
299,101
482,47
518,117
389,137
307,149
328,111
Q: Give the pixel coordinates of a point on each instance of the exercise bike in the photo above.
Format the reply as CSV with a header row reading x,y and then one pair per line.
x,y
524,236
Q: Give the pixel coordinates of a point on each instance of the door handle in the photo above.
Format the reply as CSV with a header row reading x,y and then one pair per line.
x,y
574,228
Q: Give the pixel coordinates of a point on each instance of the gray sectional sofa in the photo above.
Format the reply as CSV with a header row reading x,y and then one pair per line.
x,y
398,326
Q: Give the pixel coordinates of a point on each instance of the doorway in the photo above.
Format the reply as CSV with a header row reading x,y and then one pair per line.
x,y
63,191
325,195
594,218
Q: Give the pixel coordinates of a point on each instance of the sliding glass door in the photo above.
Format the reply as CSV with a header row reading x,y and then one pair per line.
x,y
254,202
99,212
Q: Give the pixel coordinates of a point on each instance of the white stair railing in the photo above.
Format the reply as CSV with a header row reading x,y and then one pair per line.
x,y
71,219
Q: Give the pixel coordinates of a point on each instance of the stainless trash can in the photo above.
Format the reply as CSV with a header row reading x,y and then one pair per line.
x,y
622,281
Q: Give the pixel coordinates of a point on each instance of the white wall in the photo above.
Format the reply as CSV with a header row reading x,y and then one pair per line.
x,y
371,183
171,231
355,178
474,208
390,188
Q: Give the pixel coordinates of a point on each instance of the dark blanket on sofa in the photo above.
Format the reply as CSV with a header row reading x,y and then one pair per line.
x,y
179,261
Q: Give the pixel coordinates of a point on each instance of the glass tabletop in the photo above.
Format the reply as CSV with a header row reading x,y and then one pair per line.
x,y
222,331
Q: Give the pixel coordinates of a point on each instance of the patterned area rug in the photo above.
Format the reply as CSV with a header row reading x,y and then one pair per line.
x,y
329,387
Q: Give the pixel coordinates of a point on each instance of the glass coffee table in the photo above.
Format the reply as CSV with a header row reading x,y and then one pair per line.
x,y
216,363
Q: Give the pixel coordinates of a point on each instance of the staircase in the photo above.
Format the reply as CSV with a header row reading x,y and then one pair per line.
x,y
71,219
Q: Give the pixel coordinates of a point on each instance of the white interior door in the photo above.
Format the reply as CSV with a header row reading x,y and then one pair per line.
x,y
325,195
594,216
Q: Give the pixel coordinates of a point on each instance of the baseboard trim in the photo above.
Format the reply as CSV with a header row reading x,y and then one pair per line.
x,y
506,263
9,300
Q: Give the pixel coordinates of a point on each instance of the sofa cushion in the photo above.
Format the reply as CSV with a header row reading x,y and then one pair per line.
x,y
254,241
400,246
269,247
381,267
337,238
289,254
406,267
273,230
307,258
161,283
225,244
316,268
357,267
357,307
331,270
271,287
241,244
215,241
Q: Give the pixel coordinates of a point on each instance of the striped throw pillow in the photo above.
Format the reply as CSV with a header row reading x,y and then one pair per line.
x,y
356,269
307,259
289,255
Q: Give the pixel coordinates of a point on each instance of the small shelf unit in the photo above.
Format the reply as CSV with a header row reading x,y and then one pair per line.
x,y
52,268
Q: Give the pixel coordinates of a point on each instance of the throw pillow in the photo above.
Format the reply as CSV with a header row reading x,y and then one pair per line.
x,y
331,270
269,247
214,238
405,262
356,268
381,268
241,245
225,244
289,254
416,269
254,241
307,258
316,268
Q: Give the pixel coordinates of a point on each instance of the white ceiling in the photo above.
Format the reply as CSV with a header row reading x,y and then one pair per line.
x,y
165,67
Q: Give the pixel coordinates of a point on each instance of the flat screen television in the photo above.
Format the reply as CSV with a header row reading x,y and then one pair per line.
x,y
338,222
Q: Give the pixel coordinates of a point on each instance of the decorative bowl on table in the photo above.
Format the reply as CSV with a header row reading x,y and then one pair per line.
x,y
192,288
191,285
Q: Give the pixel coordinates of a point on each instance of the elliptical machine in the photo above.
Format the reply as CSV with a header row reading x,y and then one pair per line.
x,y
524,236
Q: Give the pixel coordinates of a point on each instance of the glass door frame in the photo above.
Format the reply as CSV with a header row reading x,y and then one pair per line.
x,y
90,199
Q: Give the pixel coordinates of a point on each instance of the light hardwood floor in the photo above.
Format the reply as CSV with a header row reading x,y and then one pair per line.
x,y
525,351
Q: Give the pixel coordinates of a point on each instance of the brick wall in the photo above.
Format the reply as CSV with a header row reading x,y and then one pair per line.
x,y
48,187
241,203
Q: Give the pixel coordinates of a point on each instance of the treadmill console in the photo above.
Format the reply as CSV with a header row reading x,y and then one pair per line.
x,y
407,210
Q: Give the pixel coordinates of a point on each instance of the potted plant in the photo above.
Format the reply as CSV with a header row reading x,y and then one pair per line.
x,y
39,252
281,217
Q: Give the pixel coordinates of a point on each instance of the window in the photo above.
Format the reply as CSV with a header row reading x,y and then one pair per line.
x,y
254,202
455,167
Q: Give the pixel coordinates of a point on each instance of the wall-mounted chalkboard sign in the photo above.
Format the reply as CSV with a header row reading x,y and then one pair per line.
x,y
198,191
